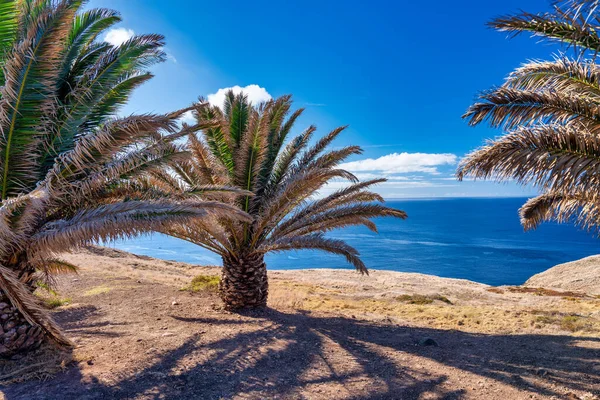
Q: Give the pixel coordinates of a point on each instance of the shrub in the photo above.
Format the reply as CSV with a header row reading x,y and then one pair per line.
x,y
204,283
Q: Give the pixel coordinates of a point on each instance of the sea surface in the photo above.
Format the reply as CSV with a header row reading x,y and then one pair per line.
x,y
476,239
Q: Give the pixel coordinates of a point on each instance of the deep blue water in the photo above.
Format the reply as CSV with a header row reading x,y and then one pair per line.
x,y
476,239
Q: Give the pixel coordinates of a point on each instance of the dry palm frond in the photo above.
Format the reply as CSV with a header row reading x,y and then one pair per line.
x,y
562,75
573,22
319,242
550,112
21,298
508,108
550,156
578,207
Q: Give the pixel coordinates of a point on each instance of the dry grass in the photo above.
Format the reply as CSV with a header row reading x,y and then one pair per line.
x,y
41,364
546,292
422,299
571,322
574,314
102,289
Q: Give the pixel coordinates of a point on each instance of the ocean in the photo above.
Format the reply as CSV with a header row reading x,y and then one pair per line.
x,y
476,239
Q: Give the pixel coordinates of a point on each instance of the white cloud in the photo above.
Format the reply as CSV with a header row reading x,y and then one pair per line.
x,y
398,163
255,93
188,118
118,36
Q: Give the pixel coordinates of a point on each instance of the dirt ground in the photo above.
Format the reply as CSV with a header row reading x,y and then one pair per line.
x,y
327,334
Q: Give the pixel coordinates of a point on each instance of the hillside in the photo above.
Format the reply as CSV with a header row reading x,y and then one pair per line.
x,y
581,275
328,333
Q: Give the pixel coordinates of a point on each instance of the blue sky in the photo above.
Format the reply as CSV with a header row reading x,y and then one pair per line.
x,y
401,75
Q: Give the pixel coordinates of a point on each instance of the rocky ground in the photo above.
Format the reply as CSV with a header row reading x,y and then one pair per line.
x,y
328,334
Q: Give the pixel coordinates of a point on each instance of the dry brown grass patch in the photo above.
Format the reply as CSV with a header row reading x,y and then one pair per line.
x,y
41,364
566,321
546,292
422,299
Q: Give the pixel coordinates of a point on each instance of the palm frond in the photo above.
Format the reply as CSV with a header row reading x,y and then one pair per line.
x,y
576,207
549,156
22,299
120,220
26,98
508,108
563,75
317,242
570,23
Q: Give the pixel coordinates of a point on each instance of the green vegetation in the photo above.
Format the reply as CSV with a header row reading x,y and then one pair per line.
x,y
202,283
549,109
55,302
49,296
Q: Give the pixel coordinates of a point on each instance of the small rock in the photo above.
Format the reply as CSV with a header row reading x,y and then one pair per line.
x,y
428,342
139,340
90,362
75,280
174,303
541,372
139,281
168,334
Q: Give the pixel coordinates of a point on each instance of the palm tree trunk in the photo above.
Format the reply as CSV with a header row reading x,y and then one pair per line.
x,y
244,282
16,334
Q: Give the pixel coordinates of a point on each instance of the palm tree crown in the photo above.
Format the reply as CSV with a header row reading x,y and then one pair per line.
x,y
245,147
58,82
550,112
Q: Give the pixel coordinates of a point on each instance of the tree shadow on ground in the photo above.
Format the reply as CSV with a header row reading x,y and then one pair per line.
x,y
298,355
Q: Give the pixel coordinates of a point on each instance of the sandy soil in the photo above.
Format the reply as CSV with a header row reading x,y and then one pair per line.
x,y
328,334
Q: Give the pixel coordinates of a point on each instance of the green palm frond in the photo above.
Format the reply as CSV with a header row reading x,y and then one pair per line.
x,y
31,74
8,28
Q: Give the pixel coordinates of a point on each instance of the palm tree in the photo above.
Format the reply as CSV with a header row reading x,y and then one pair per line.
x,y
66,164
550,112
244,147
